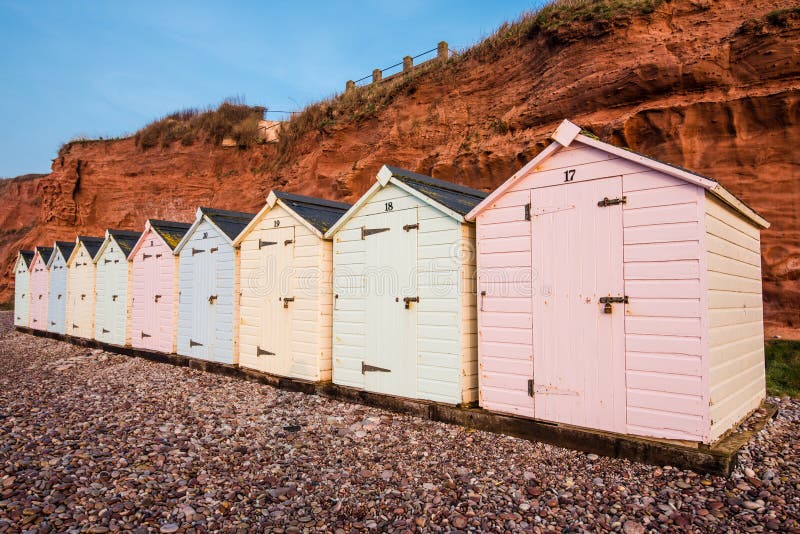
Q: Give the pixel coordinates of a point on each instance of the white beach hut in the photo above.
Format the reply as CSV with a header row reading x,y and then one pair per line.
x,y
57,302
112,287
22,282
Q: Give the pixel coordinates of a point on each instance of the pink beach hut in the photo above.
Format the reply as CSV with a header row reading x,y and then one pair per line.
x,y
40,277
619,293
154,285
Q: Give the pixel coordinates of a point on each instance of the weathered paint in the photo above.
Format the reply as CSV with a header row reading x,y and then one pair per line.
x,y
80,292
57,301
428,348
206,298
22,281
113,279
280,256
683,359
39,288
154,290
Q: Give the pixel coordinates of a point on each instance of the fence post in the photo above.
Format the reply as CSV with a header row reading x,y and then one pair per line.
x,y
376,75
349,86
408,64
442,51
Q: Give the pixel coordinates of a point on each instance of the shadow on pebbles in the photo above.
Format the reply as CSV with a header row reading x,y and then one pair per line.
x,y
97,442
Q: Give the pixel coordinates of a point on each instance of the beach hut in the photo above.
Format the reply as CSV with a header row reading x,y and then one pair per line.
x,y
39,287
619,293
80,287
154,286
286,292
404,272
57,301
22,284
112,281
207,285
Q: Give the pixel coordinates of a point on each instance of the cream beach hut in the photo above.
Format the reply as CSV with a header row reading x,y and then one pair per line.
x,y
80,287
112,284
57,301
286,293
22,284
207,285
404,297
619,293
154,286
39,287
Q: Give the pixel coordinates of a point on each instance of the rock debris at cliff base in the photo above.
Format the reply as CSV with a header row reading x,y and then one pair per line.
x,y
96,442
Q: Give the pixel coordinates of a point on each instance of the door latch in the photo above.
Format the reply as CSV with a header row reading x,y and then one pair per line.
x,y
607,301
612,202
409,227
530,387
409,300
155,298
212,298
287,300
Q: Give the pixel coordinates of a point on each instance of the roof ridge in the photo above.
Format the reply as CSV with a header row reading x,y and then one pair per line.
x,y
316,201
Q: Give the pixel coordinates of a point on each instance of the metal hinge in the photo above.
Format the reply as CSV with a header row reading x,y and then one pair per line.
x,y
52,323
366,368
145,256
197,251
106,261
287,300
528,211
194,344
409,300
370,231
409,227
262,243
530,387
262,352
145,335
74,326
106,331
612,201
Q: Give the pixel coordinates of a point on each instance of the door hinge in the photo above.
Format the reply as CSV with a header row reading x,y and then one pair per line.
x,y
409,227
262,243
530,387
74,326
366,368
409,300
51,322
106,261
288,242
262,352
145,256
197,251
528,211
194,344
212,298
106,331
370,231
612,201
287,300
145,335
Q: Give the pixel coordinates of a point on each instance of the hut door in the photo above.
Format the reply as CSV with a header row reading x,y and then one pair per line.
x,y
201,341
274,350
103,313
150,323
390,364
578,341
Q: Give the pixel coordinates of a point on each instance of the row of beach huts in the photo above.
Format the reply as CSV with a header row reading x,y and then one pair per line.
x,y
596,287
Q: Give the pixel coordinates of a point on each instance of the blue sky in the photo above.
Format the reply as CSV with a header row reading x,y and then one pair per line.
x,y
106,68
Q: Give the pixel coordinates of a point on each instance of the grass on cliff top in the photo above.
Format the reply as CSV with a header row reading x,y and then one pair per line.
x,y
783,367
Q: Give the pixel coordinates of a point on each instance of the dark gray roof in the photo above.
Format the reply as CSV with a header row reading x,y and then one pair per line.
x,y
320,213
125,239
27,256
92,244
66,248
45,253
458,198
230,222
171,232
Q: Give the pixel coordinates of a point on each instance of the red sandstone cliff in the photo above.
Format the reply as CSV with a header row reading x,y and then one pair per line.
x,y
712,86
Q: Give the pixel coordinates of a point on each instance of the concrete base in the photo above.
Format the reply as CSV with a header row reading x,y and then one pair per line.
x,y
719,458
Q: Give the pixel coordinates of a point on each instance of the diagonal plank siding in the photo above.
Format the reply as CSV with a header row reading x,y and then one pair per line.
x,y
735,310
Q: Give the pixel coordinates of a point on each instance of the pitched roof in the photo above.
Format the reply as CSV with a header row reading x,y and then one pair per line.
x,y
568,132
171,232
66,248
45,253
125,239
230,222
458,198
92,244
27,256
320,213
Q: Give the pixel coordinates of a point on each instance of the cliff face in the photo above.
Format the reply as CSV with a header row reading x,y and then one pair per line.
x,y
712,86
